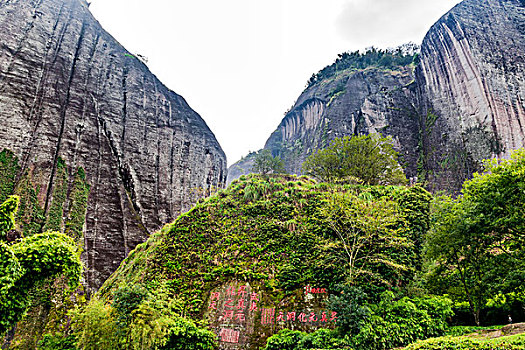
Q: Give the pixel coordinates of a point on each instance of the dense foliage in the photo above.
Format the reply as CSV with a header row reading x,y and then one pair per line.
x,y
275,233
475,248
468,343
137,320
388,324
27,263
264,163
371,159
399,57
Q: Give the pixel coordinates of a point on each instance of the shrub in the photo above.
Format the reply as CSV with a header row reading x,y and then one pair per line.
x,y
185,335
285,340
351,309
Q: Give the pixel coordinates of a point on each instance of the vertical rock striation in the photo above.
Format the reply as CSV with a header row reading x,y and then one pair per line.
x,y
472,77
355,101
69,92
463,102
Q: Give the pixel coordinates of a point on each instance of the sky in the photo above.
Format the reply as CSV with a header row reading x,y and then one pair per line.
x,y
241,64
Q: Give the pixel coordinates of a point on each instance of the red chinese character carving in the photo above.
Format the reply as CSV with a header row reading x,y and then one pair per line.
x,y
230,292
313,317
280,317
324,318
215,296
228,304
315,291
242,291
253,306
229,335
213,305
303,317
322,291
334,317
240,304
291,316
267,316
254,297
228,314
240,317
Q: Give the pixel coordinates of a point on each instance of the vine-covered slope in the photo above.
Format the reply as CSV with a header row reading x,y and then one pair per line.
x,y
268,236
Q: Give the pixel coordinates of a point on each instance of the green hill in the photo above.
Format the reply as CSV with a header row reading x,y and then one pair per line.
x,y
267,248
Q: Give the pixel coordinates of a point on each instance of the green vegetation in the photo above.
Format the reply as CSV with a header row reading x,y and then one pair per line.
x,y
26,264
137,320
399,266
370,159
388,324
265,163
400,57
475,247
275,233
514,342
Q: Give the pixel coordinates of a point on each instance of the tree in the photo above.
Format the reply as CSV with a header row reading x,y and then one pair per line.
x,y
28,262
369,158
476,241
366,230
265,163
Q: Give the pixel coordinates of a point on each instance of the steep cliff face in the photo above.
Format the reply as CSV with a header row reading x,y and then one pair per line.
x,y
472,76
463,102
71,95
354,101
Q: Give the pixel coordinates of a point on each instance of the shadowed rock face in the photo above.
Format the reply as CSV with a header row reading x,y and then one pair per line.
x,y
69,91
464,101
472,76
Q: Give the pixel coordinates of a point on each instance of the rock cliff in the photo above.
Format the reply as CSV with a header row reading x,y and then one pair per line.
x,y
472,77
461,102
71,97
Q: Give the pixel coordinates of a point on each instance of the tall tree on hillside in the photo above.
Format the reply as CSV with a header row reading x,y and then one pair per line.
x,y
265,163
477,240
369,158
366,229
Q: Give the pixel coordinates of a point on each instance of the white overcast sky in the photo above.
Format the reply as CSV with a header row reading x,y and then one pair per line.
x,y
242,63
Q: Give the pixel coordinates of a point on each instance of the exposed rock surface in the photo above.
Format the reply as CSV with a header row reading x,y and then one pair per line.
x,y
464,101
69,91
355,101
472,76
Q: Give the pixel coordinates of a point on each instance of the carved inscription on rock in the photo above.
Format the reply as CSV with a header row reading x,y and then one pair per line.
x,y
241,314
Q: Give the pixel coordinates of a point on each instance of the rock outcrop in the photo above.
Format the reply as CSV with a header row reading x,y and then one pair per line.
x,y
71,95
472,78
462,102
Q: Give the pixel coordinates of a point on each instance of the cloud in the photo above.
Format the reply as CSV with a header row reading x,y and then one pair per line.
x,y
385,23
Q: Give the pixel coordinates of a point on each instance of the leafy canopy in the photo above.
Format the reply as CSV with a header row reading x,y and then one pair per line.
x,y
265,163
29,262
364,228
475,248
7,216
369,158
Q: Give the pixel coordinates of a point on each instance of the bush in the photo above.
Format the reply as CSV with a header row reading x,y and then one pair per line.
x,y
351,309
401,322
450,343
52,342
285,340
389,324
185,335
